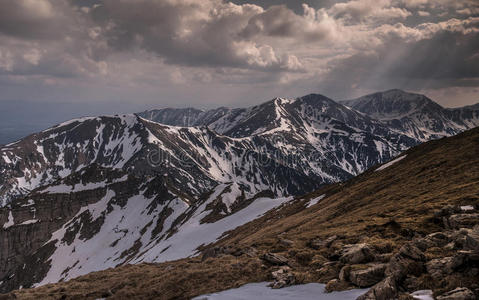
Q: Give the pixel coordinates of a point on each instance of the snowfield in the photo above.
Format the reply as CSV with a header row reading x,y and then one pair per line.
x,y
261,291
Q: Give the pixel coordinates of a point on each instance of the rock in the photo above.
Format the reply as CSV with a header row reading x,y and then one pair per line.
x,y
447,211
411,251
467,239
459,293
344,273
384,290
328,272
471,241
463,220
400,266
467,257
423,243
384,257
440,267
251,252
319,243
210,253
275,259
356,254
437,239
336,285
369,276
318,261
282,278
286,243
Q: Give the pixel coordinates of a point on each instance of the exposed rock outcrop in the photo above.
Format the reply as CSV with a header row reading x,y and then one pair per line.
x,y
458,294
357,254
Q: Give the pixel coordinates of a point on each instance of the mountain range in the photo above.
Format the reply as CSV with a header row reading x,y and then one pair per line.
x,y
99,192
406,229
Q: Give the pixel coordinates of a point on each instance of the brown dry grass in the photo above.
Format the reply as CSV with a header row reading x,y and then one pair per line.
x,y
382,208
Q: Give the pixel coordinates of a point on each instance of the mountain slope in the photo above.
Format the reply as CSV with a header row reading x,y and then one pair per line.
x,y
399,210
415,115
184,117
95,193
312,140
101,192
100,218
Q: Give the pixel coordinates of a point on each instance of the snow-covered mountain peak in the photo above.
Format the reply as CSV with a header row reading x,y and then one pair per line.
x,y
414,114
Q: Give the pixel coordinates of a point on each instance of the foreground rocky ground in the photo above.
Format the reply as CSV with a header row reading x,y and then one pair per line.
x,y
411,226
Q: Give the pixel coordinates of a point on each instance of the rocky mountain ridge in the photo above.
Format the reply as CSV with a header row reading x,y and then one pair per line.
x,y
101,192
402,229
415,115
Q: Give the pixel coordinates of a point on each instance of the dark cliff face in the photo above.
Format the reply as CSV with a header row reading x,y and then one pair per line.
x,y
29,223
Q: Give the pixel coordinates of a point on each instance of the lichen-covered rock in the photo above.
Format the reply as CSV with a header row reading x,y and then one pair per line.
x,y
440,267
286,242
463,220
282,278
384,290
356,254
370,275
319,243
275,259
336,285
459,293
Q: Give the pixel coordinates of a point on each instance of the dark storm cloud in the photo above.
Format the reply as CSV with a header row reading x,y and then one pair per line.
x,y
236,53
193,33
448,59
34,19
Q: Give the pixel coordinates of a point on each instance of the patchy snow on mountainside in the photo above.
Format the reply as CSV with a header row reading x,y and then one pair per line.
x,y
119,229
315,201
10,221
415,115
122,189
392,162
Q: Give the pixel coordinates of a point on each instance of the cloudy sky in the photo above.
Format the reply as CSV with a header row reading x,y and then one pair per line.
x,y
66,58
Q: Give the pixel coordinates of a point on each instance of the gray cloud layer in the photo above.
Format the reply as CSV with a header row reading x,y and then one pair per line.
x,y
215,52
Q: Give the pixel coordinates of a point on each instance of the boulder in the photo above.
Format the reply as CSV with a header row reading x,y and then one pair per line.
x,y
336,285
409,250
440,267
275,259
365,277
384,257
210,253
282,278
459,293
251,252
344,273
356,254
384,290
319,243
467,239
471,241
286,242
407,261
463,220
437,239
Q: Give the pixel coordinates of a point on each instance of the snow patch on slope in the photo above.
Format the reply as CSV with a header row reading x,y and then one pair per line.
x,y
392,162
261,291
